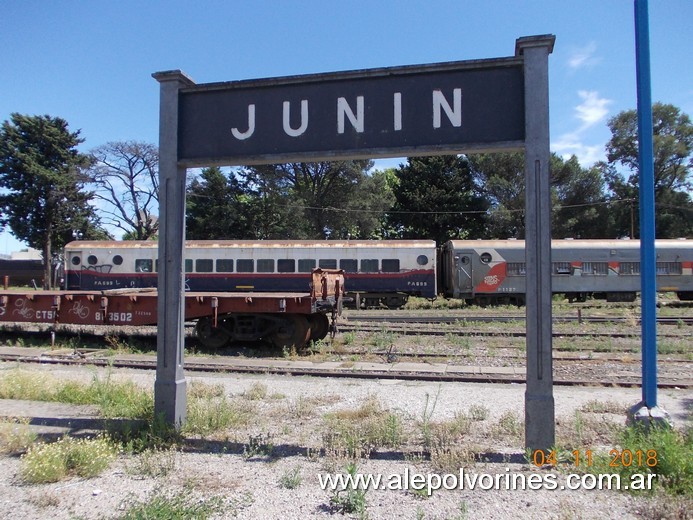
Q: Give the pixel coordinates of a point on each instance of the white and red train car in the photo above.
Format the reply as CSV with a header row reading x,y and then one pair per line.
x,y
493,271
377,272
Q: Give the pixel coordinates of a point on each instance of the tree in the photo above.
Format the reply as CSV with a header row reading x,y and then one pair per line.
x,y
673,146
215,207
43,173
313,200
578,207
126,177
501,178
437,198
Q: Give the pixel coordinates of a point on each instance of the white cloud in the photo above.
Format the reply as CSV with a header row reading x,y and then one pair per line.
x,y
593,108
583,56
572,144
590,112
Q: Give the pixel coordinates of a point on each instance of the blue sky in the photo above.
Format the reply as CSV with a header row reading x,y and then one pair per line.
x,y
90,62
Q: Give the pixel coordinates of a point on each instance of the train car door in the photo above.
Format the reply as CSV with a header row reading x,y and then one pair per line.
x,y
73,270
463,265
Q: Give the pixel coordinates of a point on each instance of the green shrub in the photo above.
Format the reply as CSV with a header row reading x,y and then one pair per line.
x,y
86,458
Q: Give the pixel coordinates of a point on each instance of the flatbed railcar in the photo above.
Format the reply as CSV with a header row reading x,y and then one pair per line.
x,y
377,272
285,319
494,271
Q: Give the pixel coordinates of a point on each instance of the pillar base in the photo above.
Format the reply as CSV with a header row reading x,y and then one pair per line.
x,y
655,416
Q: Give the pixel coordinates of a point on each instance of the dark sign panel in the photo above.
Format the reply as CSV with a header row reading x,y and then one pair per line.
x,y
371,113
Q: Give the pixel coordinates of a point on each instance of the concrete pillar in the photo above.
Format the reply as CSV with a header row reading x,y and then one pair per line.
x,y
540,429
170,386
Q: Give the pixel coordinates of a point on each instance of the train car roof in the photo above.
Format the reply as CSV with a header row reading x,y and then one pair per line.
x,y
568,244
134,244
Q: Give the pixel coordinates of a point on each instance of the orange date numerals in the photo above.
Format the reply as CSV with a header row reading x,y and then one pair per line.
x,y
638,458
543,458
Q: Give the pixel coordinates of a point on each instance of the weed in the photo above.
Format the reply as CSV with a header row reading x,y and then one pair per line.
x,y
200,390
15,435
351,499
661,450
257,392
596,406
383,339
510,424
458,340
156,462
355,433
429,408
183,505
206,416
258,446
52,462
291,479
349,338
478,412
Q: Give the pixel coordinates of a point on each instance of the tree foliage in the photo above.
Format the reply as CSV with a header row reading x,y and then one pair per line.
x,y
316,200
215,207
126,178
577,196
43,173
579,209
673,163
501,178
437,198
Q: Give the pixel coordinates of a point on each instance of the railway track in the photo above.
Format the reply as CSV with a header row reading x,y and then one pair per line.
x,y
305,367
406,329
464,320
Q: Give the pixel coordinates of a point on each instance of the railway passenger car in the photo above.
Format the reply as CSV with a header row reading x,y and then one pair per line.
x,y
493,271
377,272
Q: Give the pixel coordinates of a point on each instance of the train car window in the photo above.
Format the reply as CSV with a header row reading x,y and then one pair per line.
x,y
265,265
669,268
422,259
286,265
76,260
156,265
629,268
118,260
188,265
390,265
369,266
143,265
516,269
328,263
561,268
224,265
245,266
349,265
595,268
465,260
306,265
91,260
204,265
485,257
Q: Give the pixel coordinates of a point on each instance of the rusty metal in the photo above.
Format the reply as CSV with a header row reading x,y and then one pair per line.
x,y
137,307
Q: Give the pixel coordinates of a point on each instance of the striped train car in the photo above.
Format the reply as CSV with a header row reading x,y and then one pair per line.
x,y
377,272
493,271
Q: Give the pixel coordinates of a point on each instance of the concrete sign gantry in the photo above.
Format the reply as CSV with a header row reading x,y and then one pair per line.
x,y
484,105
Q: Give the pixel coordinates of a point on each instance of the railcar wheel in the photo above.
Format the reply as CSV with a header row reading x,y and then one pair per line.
x,y
294,332
319,326
210,336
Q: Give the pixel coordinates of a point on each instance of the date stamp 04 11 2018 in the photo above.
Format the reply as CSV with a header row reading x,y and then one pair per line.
x,y
577,458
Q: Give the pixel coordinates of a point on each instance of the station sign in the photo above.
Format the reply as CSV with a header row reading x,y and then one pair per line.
x,y
384,112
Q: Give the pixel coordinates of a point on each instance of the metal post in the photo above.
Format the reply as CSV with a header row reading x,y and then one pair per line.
x,y
647,409
170,387
540,430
